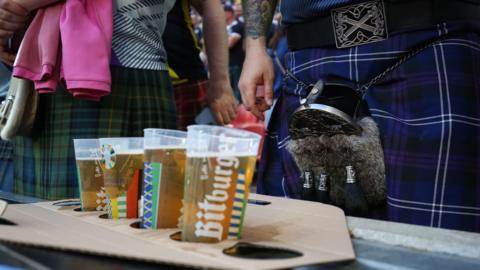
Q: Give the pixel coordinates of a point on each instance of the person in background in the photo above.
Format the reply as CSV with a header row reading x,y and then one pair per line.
x,y
235,44
427,109
238,10
141,97
197,27
193,90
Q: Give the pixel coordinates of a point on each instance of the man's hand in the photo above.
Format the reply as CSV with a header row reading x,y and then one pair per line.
x,y
257,71
12,18
258,67
221,101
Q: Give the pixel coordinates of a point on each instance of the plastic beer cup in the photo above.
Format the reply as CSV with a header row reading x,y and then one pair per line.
x,y
122,161
165,156
219,171
89,174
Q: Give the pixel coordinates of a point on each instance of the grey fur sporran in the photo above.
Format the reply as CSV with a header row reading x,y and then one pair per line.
x,y
332,134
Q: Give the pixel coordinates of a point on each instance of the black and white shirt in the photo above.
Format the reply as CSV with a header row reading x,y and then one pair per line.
x,y
138,26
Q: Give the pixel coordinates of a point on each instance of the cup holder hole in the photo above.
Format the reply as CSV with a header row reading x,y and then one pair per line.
x,y
78,209
6,222
251,251
258,202
67,202
137,225
177,236
104,216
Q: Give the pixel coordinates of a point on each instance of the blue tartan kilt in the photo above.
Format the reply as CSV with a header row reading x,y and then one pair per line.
x,y
428,113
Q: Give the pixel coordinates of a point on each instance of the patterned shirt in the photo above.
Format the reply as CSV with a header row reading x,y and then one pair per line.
x,y
138,27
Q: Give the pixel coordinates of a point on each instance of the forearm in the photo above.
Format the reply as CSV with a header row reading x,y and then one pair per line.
x,y
258,67
215,37
34,4
258,16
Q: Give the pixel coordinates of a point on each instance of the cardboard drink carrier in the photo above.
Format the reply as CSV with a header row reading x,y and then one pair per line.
x,y
297,232
221,225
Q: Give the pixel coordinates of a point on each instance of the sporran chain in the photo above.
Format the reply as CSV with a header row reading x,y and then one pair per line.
x,y
362,90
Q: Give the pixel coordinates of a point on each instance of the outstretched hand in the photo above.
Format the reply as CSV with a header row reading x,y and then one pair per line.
x,y
221,101
257,74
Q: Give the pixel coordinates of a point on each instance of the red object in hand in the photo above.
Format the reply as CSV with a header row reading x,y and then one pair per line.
x,y
245,120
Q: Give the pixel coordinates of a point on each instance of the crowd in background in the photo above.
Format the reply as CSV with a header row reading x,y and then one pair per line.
x,y
235,31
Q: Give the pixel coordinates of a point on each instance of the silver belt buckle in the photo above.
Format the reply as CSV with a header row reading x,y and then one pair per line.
x,y
359,24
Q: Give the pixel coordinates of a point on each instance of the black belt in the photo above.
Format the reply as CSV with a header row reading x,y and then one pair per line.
x,y
372,21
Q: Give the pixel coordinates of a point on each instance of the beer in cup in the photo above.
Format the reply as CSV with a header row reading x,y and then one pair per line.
x,y
165,156
219,171
122,161
90,175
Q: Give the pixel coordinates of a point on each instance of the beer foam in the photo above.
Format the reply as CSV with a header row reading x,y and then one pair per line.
x,y
221,154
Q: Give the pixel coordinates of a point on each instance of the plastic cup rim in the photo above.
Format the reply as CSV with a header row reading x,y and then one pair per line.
x,y
170,131
119,138
252,135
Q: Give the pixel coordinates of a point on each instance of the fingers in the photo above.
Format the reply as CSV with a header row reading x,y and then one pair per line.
x,y
257,71
248,89
8,16
12,17
221,101
232,112
268,88
219,118
260,99
225,112
249,98
10,26
254,110
226,118
5,35
13,7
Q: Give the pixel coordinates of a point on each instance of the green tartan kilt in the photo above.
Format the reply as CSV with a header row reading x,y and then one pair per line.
x,y
45,161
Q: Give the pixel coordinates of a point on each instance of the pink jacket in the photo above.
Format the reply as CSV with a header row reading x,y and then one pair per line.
x,y
69,41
